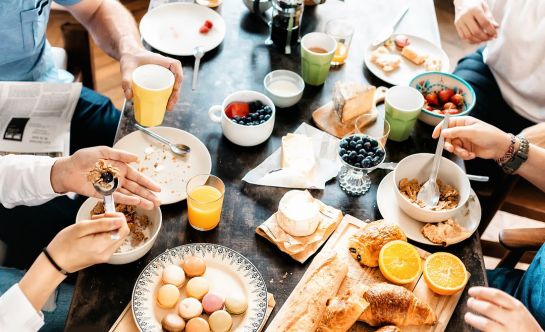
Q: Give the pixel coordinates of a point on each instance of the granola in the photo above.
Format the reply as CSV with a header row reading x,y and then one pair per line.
x,y
448,195
95,175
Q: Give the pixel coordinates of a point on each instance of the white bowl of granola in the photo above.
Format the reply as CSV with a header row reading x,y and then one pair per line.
x,y
144,224
413,171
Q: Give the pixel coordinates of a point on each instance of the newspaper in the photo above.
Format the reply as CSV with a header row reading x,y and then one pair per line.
x,y
35,117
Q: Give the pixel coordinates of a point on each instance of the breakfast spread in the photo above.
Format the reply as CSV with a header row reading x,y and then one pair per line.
x,y
384,59
297,153
446,100
366,244
351,100
138,225
102,174
343,311
448,196
248,114
298,213
206,27
361,151
445,233
445,274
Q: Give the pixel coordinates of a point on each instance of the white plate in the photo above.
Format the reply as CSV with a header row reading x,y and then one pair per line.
x,y
407,69
174,28
226,271
177,169
389,209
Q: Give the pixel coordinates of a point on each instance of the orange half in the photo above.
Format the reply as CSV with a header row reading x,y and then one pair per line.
x,y
399,262
445,273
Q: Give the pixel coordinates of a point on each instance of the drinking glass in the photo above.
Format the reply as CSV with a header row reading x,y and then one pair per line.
x,y
209,3
342,31
374,126
204,201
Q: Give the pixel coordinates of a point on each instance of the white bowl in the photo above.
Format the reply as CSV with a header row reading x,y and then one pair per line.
x,y
418,166
263,5
284,100
155,217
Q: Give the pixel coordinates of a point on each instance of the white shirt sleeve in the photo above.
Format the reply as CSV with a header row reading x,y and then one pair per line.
x,y
25,180
17,314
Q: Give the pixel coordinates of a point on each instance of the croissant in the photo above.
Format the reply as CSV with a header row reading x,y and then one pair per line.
x,y
389,328
342,311
365,245
394,305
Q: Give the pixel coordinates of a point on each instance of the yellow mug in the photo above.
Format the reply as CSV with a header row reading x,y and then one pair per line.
x,y
151,88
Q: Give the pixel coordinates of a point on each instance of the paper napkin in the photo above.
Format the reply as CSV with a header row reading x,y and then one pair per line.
x,y
328,165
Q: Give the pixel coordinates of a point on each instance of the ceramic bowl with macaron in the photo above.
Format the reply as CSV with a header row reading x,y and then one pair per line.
x,y
155,221
238,130
418,166
284,87
434,81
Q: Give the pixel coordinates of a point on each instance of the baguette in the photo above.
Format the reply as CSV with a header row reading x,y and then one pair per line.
x,y
343,311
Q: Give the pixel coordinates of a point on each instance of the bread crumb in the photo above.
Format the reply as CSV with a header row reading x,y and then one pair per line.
x,y
272,281
285,275
281,281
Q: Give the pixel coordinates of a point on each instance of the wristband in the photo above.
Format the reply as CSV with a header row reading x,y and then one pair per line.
x,y
53,262
510,152
520,157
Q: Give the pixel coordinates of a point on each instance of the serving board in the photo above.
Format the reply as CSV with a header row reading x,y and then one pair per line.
x,y
443,306
327,120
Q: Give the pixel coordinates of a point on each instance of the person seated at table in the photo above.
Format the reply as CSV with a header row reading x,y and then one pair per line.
x,y
31,180
520,305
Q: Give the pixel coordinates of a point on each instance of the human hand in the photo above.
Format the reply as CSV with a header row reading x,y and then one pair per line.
x,y
474,21
535,134
131,60
500,312
88,242
468,138
68,174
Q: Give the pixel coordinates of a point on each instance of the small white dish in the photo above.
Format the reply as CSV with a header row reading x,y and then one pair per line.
x,y
418,166
284,99
156,220
468,217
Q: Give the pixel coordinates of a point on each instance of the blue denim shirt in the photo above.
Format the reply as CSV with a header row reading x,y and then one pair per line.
x,y
25,53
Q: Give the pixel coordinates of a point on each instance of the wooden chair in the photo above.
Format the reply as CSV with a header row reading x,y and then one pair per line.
x,y
518,241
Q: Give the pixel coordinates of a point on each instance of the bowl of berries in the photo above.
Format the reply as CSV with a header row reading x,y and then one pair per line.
x,y
443,93
360,154
247,117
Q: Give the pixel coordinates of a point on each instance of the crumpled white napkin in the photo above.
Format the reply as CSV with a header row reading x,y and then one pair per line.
x,y
328,165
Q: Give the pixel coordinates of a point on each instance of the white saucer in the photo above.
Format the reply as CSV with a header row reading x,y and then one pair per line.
x,y
389,209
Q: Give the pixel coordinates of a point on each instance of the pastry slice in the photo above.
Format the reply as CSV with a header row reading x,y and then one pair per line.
x,y
342,311
445,233
389,328
414,55
382,58
433,63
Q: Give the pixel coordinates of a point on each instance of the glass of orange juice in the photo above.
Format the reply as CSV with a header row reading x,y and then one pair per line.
x,y
204,201
342,31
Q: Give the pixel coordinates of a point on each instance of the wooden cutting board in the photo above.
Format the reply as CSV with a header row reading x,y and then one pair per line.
x,y
443,306
327,120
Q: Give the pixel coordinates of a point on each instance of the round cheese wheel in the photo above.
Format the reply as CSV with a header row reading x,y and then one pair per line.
x,y
298,213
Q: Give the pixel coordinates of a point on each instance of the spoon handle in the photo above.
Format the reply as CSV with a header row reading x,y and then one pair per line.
x,y
439,150
196,72
152,134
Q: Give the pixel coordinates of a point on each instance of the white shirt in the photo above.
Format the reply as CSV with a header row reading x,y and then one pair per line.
x,y
24,180
516,57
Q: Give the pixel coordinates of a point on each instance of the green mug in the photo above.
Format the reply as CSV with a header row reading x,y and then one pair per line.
x,y
403,106
317,51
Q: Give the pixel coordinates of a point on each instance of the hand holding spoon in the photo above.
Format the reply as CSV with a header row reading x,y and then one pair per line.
x,y
111,186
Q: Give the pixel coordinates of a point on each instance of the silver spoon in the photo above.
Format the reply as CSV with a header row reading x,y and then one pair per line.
x,y
179,149
109,206
429,193
198,52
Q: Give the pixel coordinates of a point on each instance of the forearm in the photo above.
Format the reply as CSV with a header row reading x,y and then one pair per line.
x,y
40,282
533,169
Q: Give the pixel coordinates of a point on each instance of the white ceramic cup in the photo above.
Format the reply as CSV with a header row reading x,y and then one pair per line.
x,y
239,134
284,100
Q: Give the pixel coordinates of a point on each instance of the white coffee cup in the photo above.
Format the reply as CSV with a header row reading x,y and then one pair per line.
x,y
240,134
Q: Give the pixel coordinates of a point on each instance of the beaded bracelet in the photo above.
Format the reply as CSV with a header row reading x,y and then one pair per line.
x,y
510,153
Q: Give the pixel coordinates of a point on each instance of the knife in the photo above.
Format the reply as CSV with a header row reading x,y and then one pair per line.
x,y
478,178
390,30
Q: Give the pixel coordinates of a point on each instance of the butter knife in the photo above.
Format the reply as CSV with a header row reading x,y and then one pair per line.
x,y
478,178
390,30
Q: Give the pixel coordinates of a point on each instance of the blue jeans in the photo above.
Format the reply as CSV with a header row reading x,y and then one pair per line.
x,y
54,319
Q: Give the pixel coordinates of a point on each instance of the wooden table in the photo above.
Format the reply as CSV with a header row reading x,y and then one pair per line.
x,y
241,63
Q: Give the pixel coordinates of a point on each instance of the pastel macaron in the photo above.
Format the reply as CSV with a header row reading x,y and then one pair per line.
x,y
197,287
236,303
220,321
194,267
190,308
172,323
197,325
212,302
167,296
173,275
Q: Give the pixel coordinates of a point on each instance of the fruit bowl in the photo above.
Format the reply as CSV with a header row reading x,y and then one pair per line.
x,y
433,82
355,179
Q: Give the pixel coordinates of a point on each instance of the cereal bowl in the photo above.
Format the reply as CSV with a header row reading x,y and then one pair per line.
x,y
418,166
155,218
436,81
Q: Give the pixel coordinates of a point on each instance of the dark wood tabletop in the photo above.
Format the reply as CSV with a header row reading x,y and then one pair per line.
x,y
240,63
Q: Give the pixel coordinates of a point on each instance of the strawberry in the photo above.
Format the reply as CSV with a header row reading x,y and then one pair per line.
x,y
431,98
452,111
449,106
208,24
444,95
237,109
204,29
428,107
457,99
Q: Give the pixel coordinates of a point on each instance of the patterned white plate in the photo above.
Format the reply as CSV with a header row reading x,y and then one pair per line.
x,y
226,270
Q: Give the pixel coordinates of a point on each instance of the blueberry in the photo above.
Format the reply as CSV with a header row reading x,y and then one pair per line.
x,y
358,165
374,142
260,112
359,141
371,154
352,145
367,146
236,117
261,117
348,139
249,123
362,151
366,163
343,144
360,157
380,153
256,123
241,123
267,109
262,122
243,118
258,104
377,160
342,151
254,116
369,159
359,147
267,117
107,177
235,121
253,106
352,155
345,157
365,139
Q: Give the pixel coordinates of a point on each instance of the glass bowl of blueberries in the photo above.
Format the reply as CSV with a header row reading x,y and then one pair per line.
x,y
360,154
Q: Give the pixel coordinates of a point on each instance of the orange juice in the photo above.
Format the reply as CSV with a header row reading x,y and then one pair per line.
x,y
204,207
341,53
